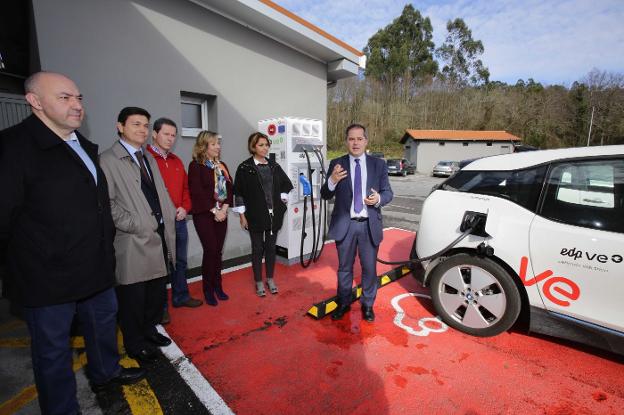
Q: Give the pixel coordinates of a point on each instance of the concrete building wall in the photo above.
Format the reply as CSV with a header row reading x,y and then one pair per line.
x,y
426,154
145,52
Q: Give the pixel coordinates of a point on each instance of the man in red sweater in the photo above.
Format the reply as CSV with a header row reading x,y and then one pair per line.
x,y
171,168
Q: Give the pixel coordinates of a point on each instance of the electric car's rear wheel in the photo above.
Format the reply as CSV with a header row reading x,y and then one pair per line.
x,y
475,295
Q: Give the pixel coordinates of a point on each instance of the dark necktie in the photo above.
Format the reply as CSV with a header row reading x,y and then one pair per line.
x,y
357,188
141,160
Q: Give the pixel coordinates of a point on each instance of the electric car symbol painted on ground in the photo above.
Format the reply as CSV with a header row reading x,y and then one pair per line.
x,y
548,250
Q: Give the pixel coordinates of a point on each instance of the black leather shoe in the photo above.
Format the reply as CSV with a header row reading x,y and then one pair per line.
x,y
127,376
368,314
159,340
340,312
146,355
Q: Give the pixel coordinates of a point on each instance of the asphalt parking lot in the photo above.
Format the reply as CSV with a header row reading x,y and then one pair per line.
x,y
257,356
409,194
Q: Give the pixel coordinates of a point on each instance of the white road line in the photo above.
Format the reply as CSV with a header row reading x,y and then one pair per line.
x,y
196,381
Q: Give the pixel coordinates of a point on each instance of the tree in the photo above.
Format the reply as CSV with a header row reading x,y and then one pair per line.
x,y
460,54
404,47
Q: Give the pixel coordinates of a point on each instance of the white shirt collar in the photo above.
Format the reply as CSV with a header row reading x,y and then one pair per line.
x,y
72,137
362,158
131,149
256,162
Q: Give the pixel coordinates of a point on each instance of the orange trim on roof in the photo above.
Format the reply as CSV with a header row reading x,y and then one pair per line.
x,y
310,26
460,135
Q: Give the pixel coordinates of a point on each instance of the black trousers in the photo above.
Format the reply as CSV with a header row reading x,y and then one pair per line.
x,y
262,244
140,310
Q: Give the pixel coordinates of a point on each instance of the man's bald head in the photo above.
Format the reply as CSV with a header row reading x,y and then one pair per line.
x,y
55,100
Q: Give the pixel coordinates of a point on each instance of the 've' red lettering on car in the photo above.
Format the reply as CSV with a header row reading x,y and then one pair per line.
x,y
573,293
524,262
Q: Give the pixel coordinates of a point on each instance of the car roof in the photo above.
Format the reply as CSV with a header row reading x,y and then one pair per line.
x,y
514,161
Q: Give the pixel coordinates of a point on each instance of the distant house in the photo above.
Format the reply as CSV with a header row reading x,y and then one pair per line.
x,y
425,148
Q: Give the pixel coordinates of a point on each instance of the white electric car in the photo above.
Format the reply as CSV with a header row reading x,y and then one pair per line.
x,y
547,250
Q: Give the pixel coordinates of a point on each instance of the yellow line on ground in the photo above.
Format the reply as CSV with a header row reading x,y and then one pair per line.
x,y
29,393
76,342
15,342
20,400
140,396
11,325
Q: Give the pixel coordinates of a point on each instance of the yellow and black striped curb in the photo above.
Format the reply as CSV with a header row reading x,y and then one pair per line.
x,y
320,310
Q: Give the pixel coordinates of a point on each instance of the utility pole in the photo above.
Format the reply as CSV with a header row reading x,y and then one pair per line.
x,y
591,122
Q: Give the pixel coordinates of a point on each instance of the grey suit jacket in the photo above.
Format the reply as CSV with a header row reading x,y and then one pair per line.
x,y
138,247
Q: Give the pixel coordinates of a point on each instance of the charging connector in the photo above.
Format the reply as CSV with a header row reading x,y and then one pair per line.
x,y
475,221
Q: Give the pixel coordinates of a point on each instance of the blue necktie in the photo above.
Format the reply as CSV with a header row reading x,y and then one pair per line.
x,y
357,185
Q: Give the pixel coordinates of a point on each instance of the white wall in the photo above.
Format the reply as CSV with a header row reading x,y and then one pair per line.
x,y
426,154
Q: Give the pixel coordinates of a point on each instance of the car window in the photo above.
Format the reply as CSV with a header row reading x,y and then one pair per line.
x,y
520,186
586,193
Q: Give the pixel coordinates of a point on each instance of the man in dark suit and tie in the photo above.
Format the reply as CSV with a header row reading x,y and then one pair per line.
x,y
56,221
356,219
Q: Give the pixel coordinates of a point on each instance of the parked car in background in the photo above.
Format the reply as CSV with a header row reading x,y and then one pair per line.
x,y
445,168
401,167
546,245
377,154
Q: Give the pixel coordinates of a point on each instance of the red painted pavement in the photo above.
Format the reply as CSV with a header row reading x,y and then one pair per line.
x,y
265,356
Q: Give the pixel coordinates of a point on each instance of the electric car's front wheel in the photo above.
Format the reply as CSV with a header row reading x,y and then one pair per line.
x,y
475,295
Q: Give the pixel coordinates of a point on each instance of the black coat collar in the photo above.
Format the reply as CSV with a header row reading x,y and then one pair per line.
x,y
46,138
250,165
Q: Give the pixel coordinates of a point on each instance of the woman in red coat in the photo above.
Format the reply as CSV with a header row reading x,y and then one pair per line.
x,y
210,186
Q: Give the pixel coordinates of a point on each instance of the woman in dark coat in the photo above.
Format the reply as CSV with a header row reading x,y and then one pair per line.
x,y
210,186
261,189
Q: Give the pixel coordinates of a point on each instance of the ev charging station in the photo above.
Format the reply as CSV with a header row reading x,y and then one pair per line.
x,y
298,145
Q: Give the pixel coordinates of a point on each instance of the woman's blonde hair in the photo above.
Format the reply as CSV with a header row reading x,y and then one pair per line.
x,y
201,145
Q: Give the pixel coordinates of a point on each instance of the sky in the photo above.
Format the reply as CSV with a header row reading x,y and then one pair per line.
x,y
551,41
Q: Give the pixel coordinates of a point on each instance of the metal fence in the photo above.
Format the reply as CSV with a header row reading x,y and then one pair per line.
x,y
13,109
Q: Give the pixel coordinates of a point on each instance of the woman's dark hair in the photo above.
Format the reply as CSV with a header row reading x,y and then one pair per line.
x,y
253,140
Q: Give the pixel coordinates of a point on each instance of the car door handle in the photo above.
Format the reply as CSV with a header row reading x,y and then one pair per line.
x,y
593,200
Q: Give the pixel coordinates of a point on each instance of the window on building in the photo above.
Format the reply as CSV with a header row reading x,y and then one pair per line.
x,y
587,194
441,143
465,144
197,113
489,144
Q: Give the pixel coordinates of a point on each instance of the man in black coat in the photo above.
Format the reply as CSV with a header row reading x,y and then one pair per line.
x,y
55,219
